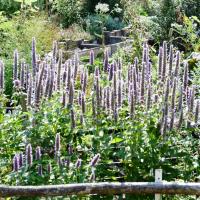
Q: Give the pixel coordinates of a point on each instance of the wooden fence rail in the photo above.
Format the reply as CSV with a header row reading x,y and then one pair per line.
x,y
102,188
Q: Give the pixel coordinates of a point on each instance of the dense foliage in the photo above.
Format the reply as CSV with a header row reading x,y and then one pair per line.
x,y
124,115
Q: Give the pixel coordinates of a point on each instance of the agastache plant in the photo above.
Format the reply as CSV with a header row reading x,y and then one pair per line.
x,y
57,143
71,93
39,86
1,76
171,57
16,163
73,121
177,66
29,155
164,63
59,70
197,109
21,160
34,59
22,74
15,65
160,62
78,163
95,160
38,153
112,89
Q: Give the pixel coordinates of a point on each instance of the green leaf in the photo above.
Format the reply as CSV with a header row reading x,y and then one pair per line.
x,y
116,140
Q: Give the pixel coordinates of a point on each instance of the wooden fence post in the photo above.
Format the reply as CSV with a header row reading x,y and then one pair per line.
x,y
158,179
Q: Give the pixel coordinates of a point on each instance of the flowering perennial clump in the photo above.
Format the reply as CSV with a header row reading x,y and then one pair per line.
x,y
92,92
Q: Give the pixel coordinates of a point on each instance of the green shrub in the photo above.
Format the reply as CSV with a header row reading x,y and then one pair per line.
x,y
68,11
191,7
166,15
94,23
185,35
9,6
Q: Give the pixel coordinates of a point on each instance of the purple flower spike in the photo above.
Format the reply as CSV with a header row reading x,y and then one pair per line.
x,y
1,76
176,73
78,163
73,121
15,65
39,86
111,72
171,56
185,78
83,105
34,59
16,163
197,112
164,60
69,149
17,84
173,95
38,153
21,159
160,57
71,93
95,160
40,173
93,106
57,143
29,156
149,93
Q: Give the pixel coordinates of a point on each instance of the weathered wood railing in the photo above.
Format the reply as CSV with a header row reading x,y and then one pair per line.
x,y
104,188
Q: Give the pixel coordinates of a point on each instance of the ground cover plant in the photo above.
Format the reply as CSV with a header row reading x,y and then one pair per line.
x,y
114,122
